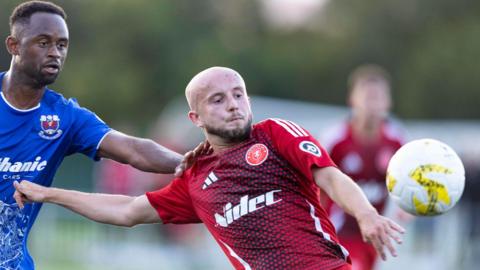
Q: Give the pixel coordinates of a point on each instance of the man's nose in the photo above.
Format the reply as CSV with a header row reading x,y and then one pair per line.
x,y
232,103
53,51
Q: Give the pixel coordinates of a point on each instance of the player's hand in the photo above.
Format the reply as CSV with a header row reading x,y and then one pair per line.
x,y
379,231
26,192
190,157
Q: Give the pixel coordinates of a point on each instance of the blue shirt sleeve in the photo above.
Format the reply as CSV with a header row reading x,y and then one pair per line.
x,y
88,130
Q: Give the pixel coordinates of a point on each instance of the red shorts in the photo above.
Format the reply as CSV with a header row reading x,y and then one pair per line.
x,y
363,255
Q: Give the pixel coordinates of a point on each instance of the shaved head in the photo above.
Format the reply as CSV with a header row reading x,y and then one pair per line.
x,y
219,105
207,79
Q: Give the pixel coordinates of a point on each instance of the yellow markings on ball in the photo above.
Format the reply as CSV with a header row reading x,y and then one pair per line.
x,y
391,182
436,192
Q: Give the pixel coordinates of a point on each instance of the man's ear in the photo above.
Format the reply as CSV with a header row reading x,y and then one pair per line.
x,y
12,45
195,118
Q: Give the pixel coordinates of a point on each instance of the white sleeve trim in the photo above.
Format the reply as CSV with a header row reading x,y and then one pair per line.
x,y
292,128
104,136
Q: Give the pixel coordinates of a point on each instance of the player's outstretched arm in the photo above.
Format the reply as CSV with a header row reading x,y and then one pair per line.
x,y
376,229
143,154
146,155
105,208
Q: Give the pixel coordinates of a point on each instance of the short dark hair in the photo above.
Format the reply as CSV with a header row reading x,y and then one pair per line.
x,y
23,12
368,72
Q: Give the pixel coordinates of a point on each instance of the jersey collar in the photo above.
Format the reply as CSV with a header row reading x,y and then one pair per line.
x,y
8,103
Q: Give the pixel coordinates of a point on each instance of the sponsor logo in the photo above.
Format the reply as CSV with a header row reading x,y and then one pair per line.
x,y
30,166
310,147
257,154
50,125
246,206
211,178
12,177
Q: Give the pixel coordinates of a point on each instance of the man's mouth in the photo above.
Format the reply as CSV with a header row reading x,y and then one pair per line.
x,y
235,118
51,68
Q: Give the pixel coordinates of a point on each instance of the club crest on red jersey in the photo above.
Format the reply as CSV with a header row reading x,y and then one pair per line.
x,y
256,154
310,147
50,125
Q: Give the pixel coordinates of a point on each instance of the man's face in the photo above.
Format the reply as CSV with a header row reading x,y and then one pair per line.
x,y
224,108
371,99
42,47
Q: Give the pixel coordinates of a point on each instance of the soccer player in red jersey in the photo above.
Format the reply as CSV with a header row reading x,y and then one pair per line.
x,y
257,193
362,147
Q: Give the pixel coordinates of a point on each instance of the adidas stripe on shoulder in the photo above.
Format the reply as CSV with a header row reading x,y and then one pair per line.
x,y
291,127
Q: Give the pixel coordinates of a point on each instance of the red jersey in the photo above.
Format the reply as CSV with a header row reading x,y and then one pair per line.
x,y
366,165
259,201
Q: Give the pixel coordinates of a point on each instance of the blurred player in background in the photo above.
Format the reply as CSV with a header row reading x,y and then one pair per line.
x,y
39,127
362,147
257,193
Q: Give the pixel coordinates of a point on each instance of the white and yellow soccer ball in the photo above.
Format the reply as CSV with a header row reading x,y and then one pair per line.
x,y
425,177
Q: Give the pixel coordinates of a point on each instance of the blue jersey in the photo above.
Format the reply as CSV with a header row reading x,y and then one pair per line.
x,y
33,143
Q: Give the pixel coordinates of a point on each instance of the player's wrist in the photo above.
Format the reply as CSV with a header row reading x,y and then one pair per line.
x,y
365,214
50,195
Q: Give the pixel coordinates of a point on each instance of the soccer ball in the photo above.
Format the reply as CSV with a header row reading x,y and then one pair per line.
x,y
425,177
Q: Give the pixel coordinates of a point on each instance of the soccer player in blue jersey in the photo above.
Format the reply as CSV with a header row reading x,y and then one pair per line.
x,y
39,127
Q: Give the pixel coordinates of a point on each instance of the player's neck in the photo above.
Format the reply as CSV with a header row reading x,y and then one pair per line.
x,y
367,131
19,93
220,145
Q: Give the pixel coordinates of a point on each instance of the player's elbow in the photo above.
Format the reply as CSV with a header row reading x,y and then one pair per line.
x,y
146,155
131,218
119,219
128,220
141,155
125,221
138,162
129,223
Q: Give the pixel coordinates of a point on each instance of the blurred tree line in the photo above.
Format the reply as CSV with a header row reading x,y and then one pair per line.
x,y
127,59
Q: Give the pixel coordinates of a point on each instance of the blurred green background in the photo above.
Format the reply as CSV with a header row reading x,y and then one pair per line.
x,y
129,59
